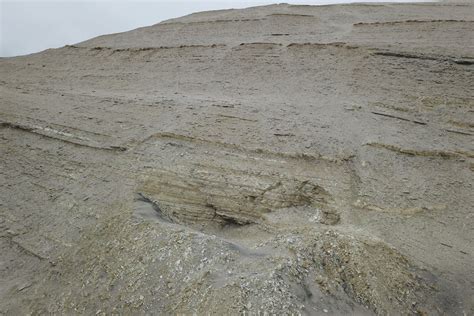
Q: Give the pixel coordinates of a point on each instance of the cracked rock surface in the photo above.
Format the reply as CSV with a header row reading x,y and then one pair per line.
x,y
280,159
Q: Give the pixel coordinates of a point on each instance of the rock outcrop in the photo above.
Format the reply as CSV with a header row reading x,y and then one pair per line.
x,y
280,159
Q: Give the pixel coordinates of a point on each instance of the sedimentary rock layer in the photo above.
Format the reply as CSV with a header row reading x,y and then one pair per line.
x,y
278,159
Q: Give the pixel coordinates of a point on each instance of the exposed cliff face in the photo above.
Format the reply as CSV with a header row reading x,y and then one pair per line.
x,y
277,159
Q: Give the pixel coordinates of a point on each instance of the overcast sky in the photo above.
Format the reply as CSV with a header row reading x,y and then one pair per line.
x,y
28,26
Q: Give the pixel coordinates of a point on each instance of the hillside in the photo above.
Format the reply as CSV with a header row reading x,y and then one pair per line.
x,y
283,158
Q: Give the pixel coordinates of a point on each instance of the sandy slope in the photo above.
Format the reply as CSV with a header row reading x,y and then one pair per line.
x,y
277,159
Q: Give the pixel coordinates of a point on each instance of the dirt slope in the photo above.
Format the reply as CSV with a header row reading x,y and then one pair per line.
x,y
279,159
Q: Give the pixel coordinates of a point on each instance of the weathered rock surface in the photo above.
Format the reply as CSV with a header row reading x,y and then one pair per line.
x,y
279,159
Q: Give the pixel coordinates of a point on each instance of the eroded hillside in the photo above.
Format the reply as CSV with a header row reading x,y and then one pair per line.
x,y
284,158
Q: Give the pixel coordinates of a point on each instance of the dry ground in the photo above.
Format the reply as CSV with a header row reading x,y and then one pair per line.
x,y
279,159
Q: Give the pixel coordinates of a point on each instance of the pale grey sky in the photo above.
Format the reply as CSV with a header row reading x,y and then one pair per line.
x,y
29,26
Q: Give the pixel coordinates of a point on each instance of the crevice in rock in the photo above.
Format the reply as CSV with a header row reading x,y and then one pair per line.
x,y
143,49
57,135
155,206
423,153
459,61
410,21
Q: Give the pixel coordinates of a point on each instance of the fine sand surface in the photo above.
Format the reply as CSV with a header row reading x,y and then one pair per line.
x,y
280,159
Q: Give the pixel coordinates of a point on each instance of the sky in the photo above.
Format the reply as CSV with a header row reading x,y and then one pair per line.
x,y
29,26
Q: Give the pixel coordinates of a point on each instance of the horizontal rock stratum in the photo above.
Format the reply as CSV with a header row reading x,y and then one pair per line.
x,y
281,159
